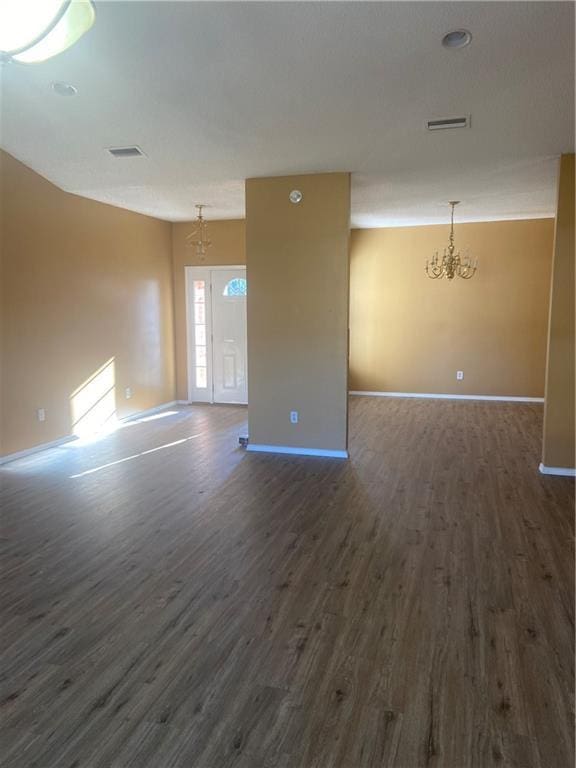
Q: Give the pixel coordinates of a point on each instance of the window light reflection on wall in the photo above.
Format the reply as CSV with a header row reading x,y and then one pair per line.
x,y
93,404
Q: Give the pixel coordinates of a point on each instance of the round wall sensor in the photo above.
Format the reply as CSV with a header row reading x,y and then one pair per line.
x,y
459,38
295,196
64,89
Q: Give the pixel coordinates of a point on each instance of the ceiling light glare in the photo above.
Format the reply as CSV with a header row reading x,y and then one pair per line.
x,y
459,38
32,31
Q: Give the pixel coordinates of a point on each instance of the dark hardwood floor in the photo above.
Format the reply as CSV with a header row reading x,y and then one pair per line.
x,y
170,601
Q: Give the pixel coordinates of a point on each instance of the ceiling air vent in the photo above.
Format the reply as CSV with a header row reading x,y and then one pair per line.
x,y
126,152
448,122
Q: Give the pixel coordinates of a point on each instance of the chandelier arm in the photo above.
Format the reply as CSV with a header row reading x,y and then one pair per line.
x,y
434,273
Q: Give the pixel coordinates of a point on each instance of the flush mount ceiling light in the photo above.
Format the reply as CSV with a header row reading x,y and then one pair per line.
x,y
32,31
451,264
458,38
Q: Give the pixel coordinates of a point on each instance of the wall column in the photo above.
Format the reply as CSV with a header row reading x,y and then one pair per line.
x,y
297,268
558,439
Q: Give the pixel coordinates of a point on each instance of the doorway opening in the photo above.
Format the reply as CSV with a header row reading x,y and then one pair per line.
x,y
216,334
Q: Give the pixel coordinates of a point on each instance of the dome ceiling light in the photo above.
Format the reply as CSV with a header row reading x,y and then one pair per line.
x,y
32,31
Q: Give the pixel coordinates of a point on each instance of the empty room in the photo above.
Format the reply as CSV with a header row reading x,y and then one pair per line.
x,y
287,379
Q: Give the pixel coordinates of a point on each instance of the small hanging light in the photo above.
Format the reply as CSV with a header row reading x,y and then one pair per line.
x,y
198,238
451,264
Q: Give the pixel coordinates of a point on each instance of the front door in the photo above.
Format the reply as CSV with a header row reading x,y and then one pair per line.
x,y
217,354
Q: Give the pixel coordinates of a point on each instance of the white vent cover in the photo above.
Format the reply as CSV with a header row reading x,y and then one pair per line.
x,y
448,122
126,151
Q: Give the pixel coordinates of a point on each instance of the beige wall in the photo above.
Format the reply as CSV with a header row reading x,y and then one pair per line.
x,y
558,443
83,283
411,334
297,262
228,247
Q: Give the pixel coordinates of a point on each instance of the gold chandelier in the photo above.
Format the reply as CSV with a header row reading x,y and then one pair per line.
x,y
198,238
451,264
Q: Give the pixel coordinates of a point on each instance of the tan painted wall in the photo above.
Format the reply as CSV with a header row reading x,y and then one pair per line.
x,y
558,443
297,267
228,247
411,334
83,282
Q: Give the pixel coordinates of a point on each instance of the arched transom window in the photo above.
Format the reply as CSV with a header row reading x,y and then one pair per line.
x,y
235,287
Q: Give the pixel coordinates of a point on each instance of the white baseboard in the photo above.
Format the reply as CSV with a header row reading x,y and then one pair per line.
x,y
434,395
561,471
297,451
69,438
36,449
206,402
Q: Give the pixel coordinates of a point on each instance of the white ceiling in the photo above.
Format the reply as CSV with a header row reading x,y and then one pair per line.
x,y
218,92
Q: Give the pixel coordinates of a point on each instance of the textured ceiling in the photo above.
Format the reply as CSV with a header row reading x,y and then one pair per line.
x,y
218,92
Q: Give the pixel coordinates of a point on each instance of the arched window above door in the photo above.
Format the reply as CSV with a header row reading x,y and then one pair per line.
x,y
235,287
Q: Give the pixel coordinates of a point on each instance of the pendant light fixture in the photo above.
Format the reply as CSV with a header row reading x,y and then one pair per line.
x,y
451,264
198,238
32,31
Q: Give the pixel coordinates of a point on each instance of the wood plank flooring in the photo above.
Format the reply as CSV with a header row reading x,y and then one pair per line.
x,y
170,601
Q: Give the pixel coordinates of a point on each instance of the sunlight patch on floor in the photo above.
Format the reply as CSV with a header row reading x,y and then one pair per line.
x,y
134,456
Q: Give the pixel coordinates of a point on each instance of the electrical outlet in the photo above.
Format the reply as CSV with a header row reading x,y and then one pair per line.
x,y
459,375
294,417
128,393
41,414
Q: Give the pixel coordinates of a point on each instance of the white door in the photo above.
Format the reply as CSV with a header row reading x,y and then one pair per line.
x,y
229,336
217,354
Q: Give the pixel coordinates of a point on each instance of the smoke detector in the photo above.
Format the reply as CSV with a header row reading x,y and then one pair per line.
x,y
64,89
